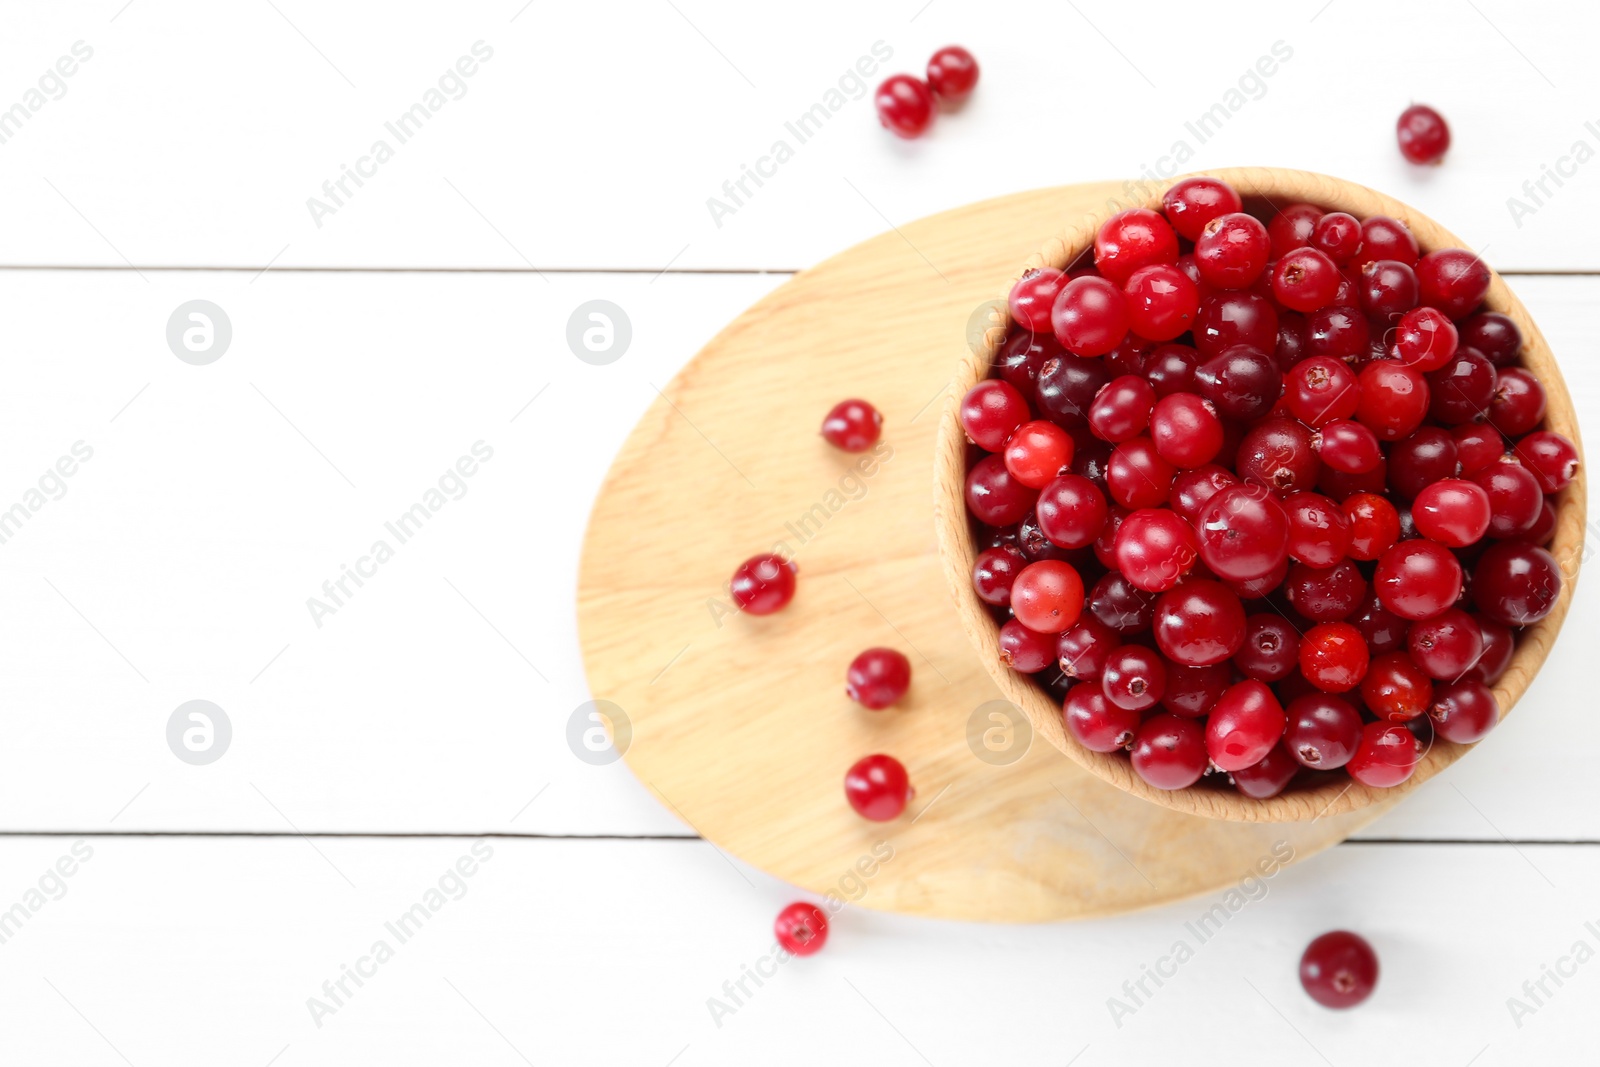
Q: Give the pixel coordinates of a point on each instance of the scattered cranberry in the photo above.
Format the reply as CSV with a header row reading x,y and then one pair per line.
x,y
1339,969
852,425
878,788
763,584
952,74
1423,135
877,678
905,105
801,928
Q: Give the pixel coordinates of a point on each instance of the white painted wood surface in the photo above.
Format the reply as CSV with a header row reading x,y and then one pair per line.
x,y
176,562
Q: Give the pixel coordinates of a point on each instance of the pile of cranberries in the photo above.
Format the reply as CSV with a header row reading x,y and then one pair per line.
x,y
1260,501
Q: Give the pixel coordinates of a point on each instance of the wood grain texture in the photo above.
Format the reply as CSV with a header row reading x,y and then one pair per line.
x,y
741,725
1275,187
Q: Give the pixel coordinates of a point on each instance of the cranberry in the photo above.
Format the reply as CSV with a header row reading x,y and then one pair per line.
x,y
1105,545
1154,548
1423,135
1186,430
1193,202
1338,234
1319,532
1047,596
994,496
1333,657
1121,605
1199,623
1243,533
763,584
1090,317
1464,711
1514,497
1374,525
1083,650
1122,409
1169,752
1498,647
1452,511
852,425
1349,447
1478,447
1022,356
1447,645
1388,290
1134,678
1137,476
1241,381
1229,319
1417,579
1162,301
877,678
1243,726
1417,461
1453,280
991,412
1425,339
1271,648
1256,588
1339,969
1394,399
1515,583
1067,385
1386,756
1269,777
801,929
1323,730
1280,454
1339,332
878,787
1191,691
905,105
1132,239
994,571
1463,388
1518,403
1096,723
1550,457
1026,651
1319,390
1386,238
1231,251
1170,368
1192,488
1292,228
1497,336
1033,297
1544,527
1325,594
1395,688
1294,344
1071,511
952,73
1382,629
1305,279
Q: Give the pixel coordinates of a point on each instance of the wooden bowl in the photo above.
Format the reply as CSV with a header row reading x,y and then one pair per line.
x,y
1337,794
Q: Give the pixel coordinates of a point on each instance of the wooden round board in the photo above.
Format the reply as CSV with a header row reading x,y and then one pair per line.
x,y
741,725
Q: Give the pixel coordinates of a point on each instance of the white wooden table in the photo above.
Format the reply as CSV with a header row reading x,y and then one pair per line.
x,y
419,721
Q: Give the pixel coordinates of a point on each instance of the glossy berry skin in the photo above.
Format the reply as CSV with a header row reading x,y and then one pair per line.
x,y
1319,390
1025,651
1417,579
1122,409
1154,548
1270,651
1193,202
1199,623
1425,339
1305,280
1090,317
1417,461
1385,238
1395,688
1453,280
1374,525
763,584
1269,777
952,74
993,496
1241,381
1478,447
1083,651
1349,447
1498,647
1445,646
1386,756
1333,657
994,571
1033,298
1191,489
801,929
1192,691
1423,135
1067,386
1134,678
1186,430
1022,356
1464,711
1382,629
991,412
1169,752
1319,532
1387,291
1497,336
1338,234
1394,399
1072,511
1550,457
1514,497
1462,389
1452,511
1339,331
877,678
1047,596
1120,605
1243,726
1096,723
1339,969
1325,594
1132,239
905,105
878,787
1229,319
1518,403
1231,251
1162,301
1292,226
1323,731
852,425
1137,476
1516,584
1243,533
1037,451
1280,454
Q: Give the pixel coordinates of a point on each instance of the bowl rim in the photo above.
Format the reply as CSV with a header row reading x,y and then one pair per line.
x,y
958,552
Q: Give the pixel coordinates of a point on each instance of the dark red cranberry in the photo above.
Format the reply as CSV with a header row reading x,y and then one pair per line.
x,y
1339,970
1186,430
877,678
1279,454
1122,605
1192,488
1241,381
878,788
1198,623
1453,280
1417,579
1083,650
1169,368
1066,387
1134,677
990,412
1515,499
993,573
1324,594
994,496
1445,646
1323,730
1271,648
1462,389
1386,756
1292,228
1498,646
1022,356
1121,410
1515,583
1518,403
952,74
1424,137
1497,336
1338,234
1339,332
1096,723
1154,548
1191,691
1072,511
905,105
1243,533
1169,752
1025,651
763,584
852,425
1349,447
1193,202
1388,290
1382,629
1478,447
1294,342
1244,726
1464,711
1385,238
1420,459
1229,319
1269,777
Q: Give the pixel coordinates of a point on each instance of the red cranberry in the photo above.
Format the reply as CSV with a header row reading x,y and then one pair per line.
x,y
801,929
1033,297
1333,657
1478,447
1192,691
1446,646
1464,711
1137,476
1319,390
878,787
1338,332
763,584
1090,317
1518,403
1256,588
1169,752
1325,594
1305,279
1186,430
1292,228
1338,234
1122,409
1417,579
1319,532
1229,319
1096,723
1047,596
1323,731
1382,629
1162,301
1154,548
1270,651
952,73
1386,756
1386,238
991,412
1023,650
1132,239
1374,525
1550,457
1417,461
1452,511
1231,251
1279,454
1199,623
1071,511
1083,650
1243,726
1192,488
1497,336
905,105
1514,497
1462,389
1498,647
994,496
877,678
1423,135
1121,605
852,425
1241,381
1394,399
1170,368
1395,688
1066,387
1349,447
1022,356
1243,533
1425,339
1388,290
1193,202
1453,280
1515,583
994,571
1269,777
1134,678
1339,969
